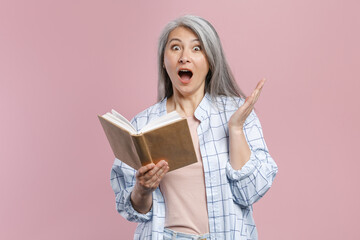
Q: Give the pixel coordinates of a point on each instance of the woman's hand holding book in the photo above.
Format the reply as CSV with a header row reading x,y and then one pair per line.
x,y
148,179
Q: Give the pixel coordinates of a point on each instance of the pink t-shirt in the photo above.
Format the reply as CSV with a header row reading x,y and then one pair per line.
x,y
184,193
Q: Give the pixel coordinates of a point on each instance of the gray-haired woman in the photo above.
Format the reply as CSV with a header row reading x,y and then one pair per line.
x,y
211,199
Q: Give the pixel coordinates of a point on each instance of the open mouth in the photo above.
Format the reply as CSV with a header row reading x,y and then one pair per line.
x,y
185,75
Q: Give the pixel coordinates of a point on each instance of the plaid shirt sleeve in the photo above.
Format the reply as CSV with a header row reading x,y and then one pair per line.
x,y
255,178
122,182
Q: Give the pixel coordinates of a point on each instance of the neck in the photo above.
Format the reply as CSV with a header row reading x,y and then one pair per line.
x,y
185,106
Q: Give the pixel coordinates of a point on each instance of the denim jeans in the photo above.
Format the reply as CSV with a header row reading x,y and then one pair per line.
x,y
171,234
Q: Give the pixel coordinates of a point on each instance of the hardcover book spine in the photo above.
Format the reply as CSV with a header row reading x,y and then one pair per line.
x,y
142,149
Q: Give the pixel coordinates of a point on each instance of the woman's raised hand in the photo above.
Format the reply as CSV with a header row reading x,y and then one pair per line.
x,y
237,120
148,178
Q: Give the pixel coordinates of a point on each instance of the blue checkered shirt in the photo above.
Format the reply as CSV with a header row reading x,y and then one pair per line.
x,y
230,193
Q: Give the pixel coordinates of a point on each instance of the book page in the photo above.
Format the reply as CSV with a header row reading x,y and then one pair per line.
x,y
122,118
125,124
162,121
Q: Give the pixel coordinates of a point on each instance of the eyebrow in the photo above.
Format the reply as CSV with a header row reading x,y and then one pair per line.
x,y
177,39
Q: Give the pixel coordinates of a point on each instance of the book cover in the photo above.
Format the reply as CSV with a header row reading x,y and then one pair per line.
x,y
171,142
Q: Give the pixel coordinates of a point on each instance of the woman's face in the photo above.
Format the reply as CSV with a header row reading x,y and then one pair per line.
x,y
185,62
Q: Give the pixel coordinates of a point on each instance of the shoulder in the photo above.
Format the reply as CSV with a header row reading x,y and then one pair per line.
x,y
227,103
152,112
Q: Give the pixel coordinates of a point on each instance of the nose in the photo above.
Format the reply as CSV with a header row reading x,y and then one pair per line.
x,y
184,58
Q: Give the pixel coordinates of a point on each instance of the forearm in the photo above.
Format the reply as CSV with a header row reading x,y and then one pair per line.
x,y
258,169
141,201
122,182
238,147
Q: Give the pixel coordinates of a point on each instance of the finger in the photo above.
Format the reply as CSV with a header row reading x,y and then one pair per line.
x,y
150,174
260,84
252,101
252,98
144,169
258,89
162,171
165,170
161,163
243,109
256,96
158,173
159,176
248,100
247,111
158,166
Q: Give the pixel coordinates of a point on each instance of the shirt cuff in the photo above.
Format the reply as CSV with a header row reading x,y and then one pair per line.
x,y
245,171
136,215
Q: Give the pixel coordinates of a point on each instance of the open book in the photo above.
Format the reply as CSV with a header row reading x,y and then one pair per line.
x,y
167,137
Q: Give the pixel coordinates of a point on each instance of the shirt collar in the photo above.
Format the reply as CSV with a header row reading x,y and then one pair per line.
x,y
201,112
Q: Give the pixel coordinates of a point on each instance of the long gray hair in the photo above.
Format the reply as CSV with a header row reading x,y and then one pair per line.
x,y
219,80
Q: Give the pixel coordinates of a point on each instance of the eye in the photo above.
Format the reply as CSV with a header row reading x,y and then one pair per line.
x,y
197,48
175,47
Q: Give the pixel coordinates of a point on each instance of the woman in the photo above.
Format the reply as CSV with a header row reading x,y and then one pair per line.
x,y
211,199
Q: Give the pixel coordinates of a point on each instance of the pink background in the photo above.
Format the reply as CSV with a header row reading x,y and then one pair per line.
x,y
64,62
